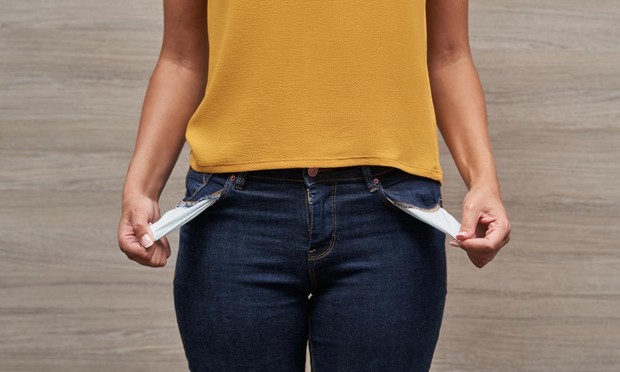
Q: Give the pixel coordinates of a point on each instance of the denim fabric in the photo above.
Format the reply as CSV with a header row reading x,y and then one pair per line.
x,y
282,258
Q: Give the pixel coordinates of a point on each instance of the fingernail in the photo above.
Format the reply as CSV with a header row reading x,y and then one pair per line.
x,y
454,243
146,241
461,233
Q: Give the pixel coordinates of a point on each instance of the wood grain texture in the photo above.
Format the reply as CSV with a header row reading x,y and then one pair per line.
x,y
72,78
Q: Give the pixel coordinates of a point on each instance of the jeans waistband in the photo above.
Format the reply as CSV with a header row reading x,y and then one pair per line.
x,y
342,174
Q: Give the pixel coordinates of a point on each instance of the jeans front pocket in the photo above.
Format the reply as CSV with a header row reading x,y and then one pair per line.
x,y
417,196
202,190
201,185
403,189
194,182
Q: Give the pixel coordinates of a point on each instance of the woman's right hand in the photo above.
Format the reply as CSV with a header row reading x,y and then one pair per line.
x,y
134,234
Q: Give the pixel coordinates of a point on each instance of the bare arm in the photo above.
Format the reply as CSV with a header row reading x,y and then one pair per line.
x,y
175,90
461,117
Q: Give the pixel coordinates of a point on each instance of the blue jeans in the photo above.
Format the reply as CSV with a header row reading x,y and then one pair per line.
x,y
283,258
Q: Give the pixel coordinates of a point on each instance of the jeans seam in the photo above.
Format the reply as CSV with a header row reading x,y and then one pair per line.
x,y
407,205
309,225
310,348
334,221
312,277
382,196
205,180
230,181
400,204
308,217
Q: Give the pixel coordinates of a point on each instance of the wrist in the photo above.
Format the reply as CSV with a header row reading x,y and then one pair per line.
x,y
486,182
481,178
140,182
143,188
132,192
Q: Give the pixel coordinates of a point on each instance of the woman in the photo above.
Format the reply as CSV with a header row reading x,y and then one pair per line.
x,y
317,123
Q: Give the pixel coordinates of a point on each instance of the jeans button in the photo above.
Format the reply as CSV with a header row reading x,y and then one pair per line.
x,y
313,172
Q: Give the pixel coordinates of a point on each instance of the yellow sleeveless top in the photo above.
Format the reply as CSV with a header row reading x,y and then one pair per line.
x,y
316,83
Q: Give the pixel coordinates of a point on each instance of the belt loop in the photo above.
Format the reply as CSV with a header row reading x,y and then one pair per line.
x,y
371,181
240,181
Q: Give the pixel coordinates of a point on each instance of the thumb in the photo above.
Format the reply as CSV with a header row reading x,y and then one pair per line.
x,y
469,221
142,230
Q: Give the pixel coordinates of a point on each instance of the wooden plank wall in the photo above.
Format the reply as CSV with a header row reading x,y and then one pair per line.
x,y
72,78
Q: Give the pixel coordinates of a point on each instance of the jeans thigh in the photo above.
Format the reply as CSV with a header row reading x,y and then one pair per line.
x,y
380,294
240,284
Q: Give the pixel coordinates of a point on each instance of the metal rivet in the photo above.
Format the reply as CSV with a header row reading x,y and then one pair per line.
x,y
232,178
376,180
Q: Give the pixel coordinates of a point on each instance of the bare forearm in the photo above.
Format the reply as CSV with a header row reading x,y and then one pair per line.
x,y
175,90
173,94
461,117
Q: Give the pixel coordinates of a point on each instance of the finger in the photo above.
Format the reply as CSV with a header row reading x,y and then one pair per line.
x,y
499,233
160,255
166,245
480,260
479,245
150,262
493,241
131,245
127,240
142,230
469,221
156,257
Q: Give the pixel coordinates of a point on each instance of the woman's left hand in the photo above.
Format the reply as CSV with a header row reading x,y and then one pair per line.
x,y
484,226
